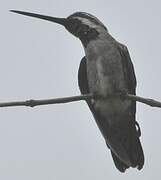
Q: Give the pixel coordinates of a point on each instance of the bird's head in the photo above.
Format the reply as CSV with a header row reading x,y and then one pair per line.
x,y
82,25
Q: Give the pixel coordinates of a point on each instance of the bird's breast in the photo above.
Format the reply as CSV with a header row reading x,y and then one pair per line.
x,y
104,67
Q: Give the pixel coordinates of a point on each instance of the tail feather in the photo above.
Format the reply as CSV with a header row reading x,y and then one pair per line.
x,y
118,163
125,145
134,149
136,154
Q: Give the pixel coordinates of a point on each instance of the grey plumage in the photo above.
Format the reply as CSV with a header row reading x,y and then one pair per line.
x,y
106,68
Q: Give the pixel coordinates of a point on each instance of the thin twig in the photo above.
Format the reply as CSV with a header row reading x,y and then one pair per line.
x,y
33,103
147,101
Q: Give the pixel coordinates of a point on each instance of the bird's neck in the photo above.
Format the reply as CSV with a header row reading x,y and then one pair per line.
x,y
93,35
99,45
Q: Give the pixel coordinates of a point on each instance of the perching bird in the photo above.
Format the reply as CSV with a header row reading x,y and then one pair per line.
x,y
106,68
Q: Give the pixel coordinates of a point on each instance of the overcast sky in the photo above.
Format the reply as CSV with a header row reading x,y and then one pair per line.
x,y
39,59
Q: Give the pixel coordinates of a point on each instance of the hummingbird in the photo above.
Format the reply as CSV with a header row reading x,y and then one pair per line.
x,y
105,69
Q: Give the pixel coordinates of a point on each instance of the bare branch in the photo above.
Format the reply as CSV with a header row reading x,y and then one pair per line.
x,y
147,101
33,103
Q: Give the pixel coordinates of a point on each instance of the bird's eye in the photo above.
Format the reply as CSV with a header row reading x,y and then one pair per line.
x,y
85,32
85,29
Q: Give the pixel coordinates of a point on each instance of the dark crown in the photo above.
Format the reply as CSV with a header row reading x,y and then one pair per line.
x,y
88,16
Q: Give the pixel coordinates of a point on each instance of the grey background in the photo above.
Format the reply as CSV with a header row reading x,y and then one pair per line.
x,y
39,59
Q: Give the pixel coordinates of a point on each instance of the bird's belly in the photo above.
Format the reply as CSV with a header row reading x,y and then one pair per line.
x,y
106,77
109,108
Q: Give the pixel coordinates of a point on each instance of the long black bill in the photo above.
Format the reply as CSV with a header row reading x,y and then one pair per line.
x,y
61,21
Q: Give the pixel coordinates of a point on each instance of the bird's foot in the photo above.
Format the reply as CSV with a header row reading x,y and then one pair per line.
x,y
97,95
119,93
122,93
